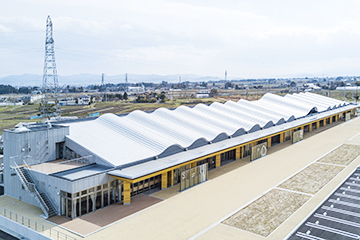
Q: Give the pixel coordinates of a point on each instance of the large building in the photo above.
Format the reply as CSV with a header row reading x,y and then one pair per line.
x,y
73,168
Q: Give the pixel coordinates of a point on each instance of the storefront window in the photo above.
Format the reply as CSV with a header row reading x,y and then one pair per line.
x,y
86,201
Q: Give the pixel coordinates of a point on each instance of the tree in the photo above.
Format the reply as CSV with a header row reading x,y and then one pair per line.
x,y
162,96
213,92
125,96
228,85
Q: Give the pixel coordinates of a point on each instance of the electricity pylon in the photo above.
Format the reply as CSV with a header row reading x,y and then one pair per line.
x,y
50,106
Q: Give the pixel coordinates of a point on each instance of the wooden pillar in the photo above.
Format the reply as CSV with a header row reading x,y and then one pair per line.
x,y
171,178
302,128
193,164
325,119
282,137
337,117
330,119
241,151
317,124
126,193
164,180
237,153
269,142
218,160
310,127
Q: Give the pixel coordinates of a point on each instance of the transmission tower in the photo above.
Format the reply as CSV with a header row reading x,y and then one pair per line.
x,y
50,105
126,83
103,88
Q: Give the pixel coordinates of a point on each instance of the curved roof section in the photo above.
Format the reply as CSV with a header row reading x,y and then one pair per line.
x,y
139,135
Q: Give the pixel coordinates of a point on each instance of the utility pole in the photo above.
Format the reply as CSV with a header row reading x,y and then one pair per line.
x,y
50,104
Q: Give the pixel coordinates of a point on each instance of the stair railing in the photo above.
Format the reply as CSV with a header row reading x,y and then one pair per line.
x,y
43,189
31,188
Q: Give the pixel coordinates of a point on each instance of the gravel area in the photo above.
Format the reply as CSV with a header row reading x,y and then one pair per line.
x,y
268,212
312,179
342,155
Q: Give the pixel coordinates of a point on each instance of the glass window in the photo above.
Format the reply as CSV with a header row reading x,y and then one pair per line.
x,y
83,205
105,185
77,208
91,190
84,192
112,195
91,202
106,198
98,201
98,188
69,207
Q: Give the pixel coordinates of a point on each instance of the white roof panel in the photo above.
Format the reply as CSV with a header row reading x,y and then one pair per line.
x,y
123,140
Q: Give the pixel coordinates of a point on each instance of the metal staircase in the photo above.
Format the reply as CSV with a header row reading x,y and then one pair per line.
x,y
30,186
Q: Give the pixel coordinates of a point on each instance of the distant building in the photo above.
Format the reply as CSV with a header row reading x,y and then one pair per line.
x,y
203,93
83,100
136,90
312,87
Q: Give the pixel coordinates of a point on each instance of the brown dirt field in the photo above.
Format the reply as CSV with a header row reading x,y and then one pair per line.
x,y
342,155
268,212
312,179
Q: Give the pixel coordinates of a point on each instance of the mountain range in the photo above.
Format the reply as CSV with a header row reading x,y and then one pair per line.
x,y
86,79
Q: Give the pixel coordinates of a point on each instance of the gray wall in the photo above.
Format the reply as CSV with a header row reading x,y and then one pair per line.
x,y
39,144
53,184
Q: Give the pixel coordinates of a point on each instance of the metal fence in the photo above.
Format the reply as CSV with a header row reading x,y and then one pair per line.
x,y
34,225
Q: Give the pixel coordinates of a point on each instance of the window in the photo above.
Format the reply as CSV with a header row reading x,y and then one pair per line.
x,y
76,205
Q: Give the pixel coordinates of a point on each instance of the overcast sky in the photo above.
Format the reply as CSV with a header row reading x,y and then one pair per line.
x,y
249,39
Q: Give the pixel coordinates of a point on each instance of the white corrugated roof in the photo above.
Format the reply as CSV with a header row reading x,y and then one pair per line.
x,y
139,135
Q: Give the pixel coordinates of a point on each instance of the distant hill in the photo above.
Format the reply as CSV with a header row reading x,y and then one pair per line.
x,y
85,79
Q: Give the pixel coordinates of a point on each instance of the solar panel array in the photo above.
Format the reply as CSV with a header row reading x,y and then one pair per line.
x,y
338,217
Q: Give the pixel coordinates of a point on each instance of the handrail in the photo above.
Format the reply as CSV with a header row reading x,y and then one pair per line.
x,y
78,159
21,176
26,184
39,197
37,185
34,225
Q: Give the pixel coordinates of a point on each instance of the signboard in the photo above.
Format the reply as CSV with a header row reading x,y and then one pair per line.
x,y
258,151
347,116
298,136
193,176
340,116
